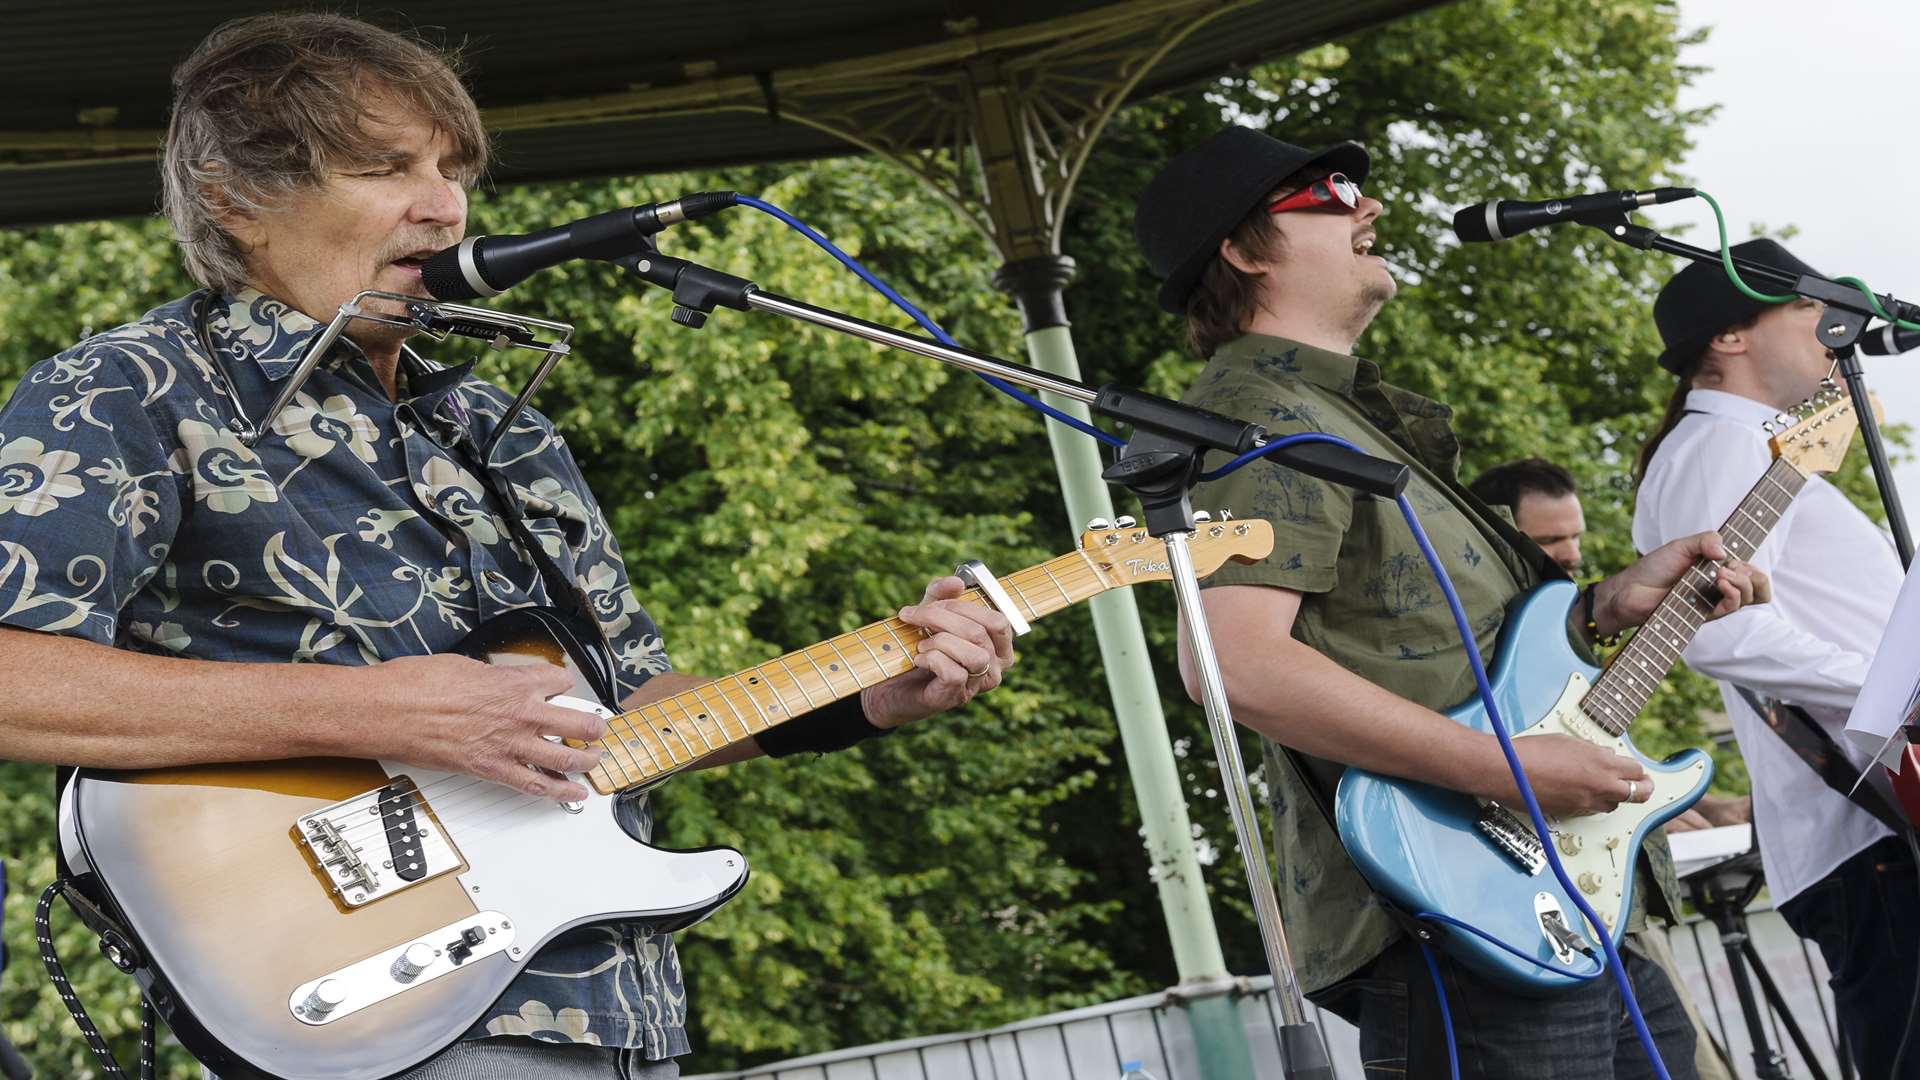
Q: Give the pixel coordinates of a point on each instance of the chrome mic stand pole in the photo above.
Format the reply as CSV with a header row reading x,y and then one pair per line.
x,y
1303,1052
1160,464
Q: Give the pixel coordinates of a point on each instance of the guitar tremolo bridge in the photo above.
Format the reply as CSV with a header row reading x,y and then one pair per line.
x,y
376,843
1513,835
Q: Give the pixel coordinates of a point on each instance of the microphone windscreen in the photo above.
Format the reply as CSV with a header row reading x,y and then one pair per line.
x,y
1470,223
443,279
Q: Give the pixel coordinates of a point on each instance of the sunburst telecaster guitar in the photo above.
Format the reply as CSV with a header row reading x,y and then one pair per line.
x,y
1431,850
335,919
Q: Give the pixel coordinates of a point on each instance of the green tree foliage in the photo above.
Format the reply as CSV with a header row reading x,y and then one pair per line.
x,y
772,484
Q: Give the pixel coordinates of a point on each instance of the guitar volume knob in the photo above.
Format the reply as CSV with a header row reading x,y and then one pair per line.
x,y
326,997
413,961
1589,882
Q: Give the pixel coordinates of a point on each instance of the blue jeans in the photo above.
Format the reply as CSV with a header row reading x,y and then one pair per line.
x,y
1581,1033
1862,917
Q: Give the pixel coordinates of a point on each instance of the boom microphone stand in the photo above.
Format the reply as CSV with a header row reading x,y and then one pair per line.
x,y
1161,464
1846,317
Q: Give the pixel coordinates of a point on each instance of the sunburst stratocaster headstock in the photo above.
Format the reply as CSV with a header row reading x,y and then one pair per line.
x,y
1814,435
1124,554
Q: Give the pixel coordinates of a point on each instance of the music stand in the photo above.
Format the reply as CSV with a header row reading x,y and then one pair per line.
x,y
1721,888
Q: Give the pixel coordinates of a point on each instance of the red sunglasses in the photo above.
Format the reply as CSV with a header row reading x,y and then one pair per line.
x,y
1332,192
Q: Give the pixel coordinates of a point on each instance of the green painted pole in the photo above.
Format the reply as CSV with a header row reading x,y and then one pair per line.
x,y
1219,1038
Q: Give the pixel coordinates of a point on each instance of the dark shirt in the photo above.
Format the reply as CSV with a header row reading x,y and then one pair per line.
x,y
357,530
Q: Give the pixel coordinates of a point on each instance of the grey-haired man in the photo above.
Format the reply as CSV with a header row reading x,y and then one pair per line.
x,y
310,157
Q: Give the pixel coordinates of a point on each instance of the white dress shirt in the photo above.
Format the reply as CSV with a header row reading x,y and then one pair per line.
x,y
1835,575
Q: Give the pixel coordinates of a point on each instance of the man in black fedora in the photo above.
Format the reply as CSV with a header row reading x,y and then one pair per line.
x,y
1836,874
1339,649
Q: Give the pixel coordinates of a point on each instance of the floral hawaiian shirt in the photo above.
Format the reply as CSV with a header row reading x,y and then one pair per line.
x,y
357,530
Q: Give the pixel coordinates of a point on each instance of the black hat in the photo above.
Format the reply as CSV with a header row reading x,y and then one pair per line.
x,y
1193,203
1700,302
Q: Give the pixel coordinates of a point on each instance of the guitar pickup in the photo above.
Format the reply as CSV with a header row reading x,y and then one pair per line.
x,y
376,843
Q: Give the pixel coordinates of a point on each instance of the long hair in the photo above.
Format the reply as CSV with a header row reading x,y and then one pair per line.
x,y
270,105
1676,408
1225,298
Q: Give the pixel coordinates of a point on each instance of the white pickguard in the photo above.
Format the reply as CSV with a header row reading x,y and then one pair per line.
x,y
536,868
1595,848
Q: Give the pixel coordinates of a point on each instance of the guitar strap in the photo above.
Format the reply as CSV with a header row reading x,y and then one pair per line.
x,y
562,590
1812,744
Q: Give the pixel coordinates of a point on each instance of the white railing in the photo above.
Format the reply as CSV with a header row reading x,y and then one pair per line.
x,y
1090,1043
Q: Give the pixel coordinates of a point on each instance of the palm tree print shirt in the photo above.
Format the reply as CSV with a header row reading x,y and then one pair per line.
x,y
357,530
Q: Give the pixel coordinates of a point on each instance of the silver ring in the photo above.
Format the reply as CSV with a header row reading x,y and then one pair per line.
x,y
982,673
1633,786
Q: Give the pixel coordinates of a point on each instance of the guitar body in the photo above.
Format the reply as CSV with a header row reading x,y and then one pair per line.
x,y
1432,850
233,919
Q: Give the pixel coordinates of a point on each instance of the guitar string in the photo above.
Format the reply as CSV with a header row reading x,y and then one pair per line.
x,y
1688,608
1077,569
1078,574
1076,577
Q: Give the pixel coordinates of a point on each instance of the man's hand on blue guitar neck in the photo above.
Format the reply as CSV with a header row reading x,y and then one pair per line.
x,y
1626,599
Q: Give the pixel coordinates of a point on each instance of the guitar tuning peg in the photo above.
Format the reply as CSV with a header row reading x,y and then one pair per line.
x,y
1226,515
1099,525
1767,426
1123,522
1201,517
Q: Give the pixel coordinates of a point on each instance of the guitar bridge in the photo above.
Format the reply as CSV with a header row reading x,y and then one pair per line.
x,y
377,843
1514,836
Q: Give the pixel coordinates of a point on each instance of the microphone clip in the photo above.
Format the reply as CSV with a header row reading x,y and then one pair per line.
x,y
696,289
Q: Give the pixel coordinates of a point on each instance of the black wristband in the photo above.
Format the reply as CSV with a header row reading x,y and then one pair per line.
x,y
822,731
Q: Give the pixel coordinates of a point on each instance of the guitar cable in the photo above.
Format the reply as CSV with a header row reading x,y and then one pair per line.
x,y
1481,683
43,933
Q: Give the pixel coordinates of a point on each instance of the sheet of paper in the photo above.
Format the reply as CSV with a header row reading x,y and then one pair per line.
x,y
1892,690
1696,849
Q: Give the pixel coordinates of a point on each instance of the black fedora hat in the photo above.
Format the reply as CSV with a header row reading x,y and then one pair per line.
x,y
1196,200
1699,302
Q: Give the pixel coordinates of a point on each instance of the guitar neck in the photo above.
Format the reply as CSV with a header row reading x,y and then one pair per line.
x,y
662,737
1637,670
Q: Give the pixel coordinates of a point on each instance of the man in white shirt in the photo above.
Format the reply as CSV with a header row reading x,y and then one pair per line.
x,y
1835,873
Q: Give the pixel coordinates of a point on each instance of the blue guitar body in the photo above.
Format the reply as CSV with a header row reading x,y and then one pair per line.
x,y
1432,850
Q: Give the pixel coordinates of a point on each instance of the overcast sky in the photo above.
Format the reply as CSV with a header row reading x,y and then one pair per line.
x,y
1812,99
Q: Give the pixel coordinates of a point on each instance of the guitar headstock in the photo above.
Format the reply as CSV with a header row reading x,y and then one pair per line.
x,y
1124,554
1814,435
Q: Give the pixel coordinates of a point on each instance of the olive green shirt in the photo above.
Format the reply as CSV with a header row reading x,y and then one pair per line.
x,y
1369,601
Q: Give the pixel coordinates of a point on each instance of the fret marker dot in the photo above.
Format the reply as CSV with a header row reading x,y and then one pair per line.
x,y
753,680
886,646
833,667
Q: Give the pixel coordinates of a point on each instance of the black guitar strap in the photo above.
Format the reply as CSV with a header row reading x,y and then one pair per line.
x,y
1812,744
562,590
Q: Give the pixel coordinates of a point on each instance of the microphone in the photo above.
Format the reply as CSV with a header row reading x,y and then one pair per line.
x,y
1888,340
489,265
1501,219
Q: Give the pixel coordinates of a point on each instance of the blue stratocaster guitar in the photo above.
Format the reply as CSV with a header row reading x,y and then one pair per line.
x,y
1432,850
